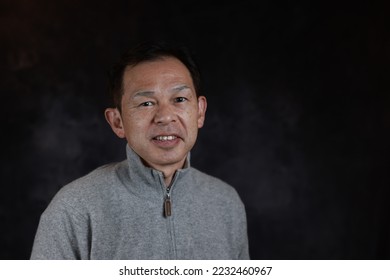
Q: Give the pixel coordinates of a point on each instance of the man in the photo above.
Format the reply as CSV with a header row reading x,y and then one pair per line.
x,y
153,205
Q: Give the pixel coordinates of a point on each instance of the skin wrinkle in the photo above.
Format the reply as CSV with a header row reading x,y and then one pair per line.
x,y
151,93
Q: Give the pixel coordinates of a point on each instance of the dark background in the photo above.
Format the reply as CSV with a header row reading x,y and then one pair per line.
x,y
298,119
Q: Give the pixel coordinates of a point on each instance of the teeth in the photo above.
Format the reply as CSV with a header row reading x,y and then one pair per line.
x,y
166,138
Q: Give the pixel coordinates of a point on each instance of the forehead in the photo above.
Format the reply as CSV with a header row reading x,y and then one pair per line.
x,y
162,70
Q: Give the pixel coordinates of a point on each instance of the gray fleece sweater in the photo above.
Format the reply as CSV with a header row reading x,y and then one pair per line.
x,y
117,212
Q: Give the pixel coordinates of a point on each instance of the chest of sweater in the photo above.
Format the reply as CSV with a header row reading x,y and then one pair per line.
x,y
132,227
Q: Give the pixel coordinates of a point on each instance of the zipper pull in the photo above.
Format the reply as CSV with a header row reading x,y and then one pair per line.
x,y
167,205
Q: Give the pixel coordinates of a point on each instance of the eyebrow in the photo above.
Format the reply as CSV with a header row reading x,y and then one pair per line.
x,y
146,93
180,88
149,93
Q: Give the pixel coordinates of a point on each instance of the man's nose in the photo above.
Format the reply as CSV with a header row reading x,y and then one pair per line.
x,y
165,114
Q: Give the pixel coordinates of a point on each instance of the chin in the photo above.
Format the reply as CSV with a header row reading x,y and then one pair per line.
x,y
169,161
165,159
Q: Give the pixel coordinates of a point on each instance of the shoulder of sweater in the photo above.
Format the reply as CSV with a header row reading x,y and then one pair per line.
x,y
210,183
89,185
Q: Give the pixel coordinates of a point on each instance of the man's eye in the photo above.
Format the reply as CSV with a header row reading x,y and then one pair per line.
x,y
146,104
180,99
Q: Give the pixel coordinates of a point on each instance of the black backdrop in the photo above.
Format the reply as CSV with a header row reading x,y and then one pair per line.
x,y
298,117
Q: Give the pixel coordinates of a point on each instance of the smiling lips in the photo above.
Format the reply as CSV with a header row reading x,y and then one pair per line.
x,y
166,141
165,138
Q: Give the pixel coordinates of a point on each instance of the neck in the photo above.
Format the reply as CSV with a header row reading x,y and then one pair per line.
x,y
168,177
167,170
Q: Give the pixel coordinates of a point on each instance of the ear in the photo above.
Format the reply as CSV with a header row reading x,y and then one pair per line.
x,y
113,117
202,106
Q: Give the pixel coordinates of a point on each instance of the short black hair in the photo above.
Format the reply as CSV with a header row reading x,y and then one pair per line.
x,y
149,51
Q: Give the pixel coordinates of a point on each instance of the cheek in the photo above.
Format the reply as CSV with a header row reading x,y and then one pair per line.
x,y
193,122
188,118
134,124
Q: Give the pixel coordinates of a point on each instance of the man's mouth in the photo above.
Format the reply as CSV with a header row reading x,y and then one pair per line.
x,y
165,138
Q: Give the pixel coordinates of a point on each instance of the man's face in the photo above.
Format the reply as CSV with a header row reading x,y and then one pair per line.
x,y
161,113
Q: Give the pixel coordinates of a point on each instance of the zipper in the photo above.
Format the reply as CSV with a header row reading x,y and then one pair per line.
x,y
167,203
167,209
167,199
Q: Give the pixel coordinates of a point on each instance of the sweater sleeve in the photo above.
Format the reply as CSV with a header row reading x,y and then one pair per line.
x,y
62,233
243,241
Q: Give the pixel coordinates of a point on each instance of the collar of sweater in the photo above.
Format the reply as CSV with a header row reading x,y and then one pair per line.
x,y
146,181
